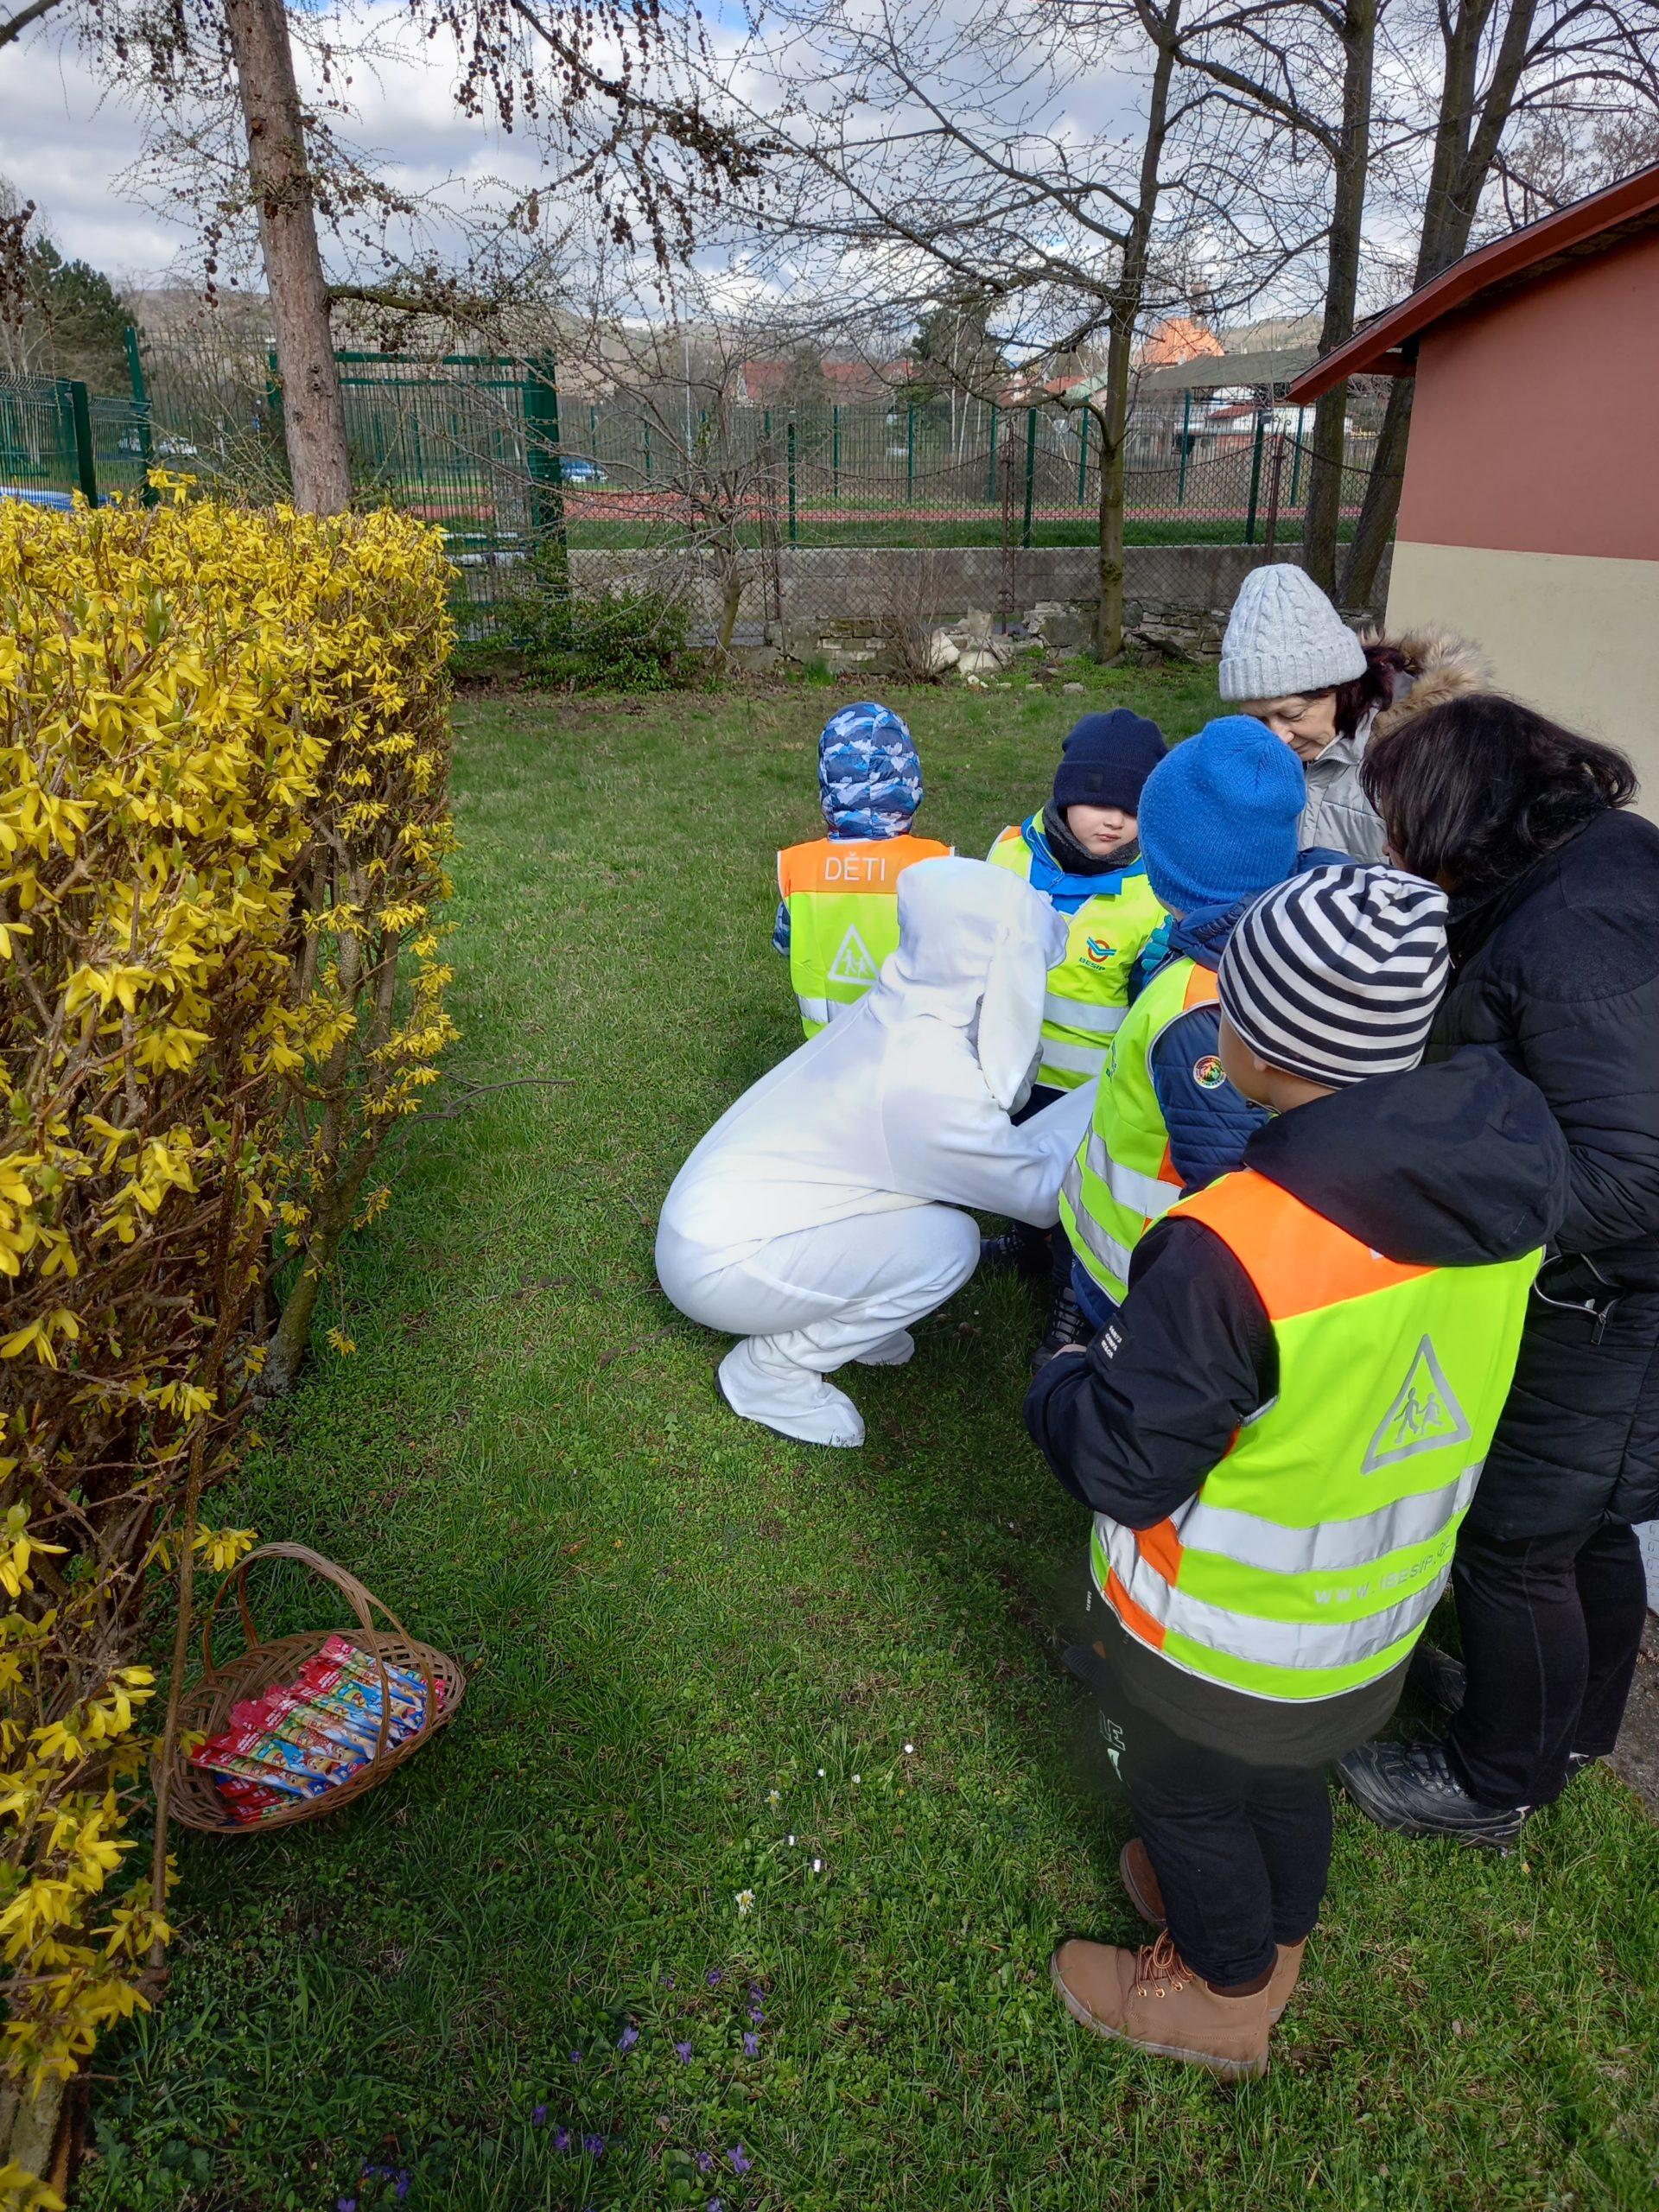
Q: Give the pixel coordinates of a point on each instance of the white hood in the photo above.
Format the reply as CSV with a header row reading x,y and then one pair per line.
x,y
975,944
906,1099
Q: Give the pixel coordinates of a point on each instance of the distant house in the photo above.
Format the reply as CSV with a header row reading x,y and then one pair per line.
x,y
1529,512
1176,340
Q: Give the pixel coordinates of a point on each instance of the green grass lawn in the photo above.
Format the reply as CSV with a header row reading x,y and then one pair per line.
x,y
706,1660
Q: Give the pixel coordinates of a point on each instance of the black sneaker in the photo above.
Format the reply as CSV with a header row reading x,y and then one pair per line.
x,y
1438,1678
1410,1789
1019,1250
1066,1327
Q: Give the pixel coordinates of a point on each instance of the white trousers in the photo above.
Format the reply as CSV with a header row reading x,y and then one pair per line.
x,y
810,1302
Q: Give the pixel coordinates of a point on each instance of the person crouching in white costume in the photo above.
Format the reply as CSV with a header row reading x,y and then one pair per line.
x,y
817,1218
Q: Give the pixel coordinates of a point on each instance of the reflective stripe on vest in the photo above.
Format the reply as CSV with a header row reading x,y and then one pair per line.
x,y
1121,1180
1088,994
842,897
1312,1555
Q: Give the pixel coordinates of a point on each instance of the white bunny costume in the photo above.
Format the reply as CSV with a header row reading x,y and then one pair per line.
x,y
817,1219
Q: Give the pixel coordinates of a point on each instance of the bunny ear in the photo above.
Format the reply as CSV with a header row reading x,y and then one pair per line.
x,y
1011,1011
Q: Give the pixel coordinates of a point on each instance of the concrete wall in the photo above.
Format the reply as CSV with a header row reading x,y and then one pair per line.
x,y
850,583
1574,635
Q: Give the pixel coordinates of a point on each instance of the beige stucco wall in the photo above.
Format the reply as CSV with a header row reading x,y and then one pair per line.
x,y
1575,635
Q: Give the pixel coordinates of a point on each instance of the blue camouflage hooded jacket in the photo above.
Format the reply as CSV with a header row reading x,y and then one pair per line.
x,y
869,781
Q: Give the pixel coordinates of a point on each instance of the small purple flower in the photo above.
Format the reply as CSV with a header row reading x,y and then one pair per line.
x,y
575,2058
345,2204
751,2046
538,2118
400,2187
593,2146
714,1977
739,2158
629,2036
713,2205
757,2013
561,2138
683,2052
705,2162
667,1982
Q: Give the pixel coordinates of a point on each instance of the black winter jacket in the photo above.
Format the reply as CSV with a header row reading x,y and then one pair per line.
x,y
1453,1166
1560,970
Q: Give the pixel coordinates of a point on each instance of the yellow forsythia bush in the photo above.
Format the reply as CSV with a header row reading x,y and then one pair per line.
x,y
223,763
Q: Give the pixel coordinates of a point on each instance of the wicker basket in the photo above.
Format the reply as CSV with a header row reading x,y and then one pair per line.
x,y
204,1709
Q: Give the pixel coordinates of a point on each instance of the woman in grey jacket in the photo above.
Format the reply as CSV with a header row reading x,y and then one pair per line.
x,y
1290,660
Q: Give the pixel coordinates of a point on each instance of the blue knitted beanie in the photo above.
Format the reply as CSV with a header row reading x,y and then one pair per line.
x,y
1219,816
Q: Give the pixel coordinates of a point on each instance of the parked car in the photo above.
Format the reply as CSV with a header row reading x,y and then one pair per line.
x,y
576,468
164,446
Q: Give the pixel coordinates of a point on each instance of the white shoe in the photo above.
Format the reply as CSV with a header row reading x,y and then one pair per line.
x,y
790,1399
891,1351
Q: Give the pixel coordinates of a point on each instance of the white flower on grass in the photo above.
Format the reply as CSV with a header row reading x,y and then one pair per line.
x,y
857,1778
817,1865
773,1797
820,1774
745,1903
910,1750
792,1843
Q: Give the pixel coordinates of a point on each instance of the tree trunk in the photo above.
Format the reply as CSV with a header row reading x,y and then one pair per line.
x,y
313,417
1108,615
1382,500
1468,130
1341,290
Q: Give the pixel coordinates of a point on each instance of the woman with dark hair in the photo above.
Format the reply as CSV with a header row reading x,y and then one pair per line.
x,y
1289,659
1555,942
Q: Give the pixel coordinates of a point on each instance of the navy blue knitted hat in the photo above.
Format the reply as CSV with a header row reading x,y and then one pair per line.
x,y
1219,816
1107,761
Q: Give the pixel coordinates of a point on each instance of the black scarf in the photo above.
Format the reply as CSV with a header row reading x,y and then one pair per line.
x,y
1071,859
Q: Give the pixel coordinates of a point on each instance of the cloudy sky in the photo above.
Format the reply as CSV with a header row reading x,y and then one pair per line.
x,y
65,145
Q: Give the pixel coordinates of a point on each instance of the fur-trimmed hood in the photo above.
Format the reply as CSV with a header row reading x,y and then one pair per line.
x,y
1439,666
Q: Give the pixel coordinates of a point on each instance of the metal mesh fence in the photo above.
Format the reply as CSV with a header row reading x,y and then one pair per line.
x,y
871,512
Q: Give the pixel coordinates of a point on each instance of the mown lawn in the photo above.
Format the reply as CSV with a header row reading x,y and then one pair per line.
x,y
705,1661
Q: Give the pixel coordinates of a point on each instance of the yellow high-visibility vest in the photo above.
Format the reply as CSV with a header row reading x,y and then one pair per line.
x,y
1312,1557
842,897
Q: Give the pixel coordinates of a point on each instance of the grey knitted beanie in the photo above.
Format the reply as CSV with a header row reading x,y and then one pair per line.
x,y
1284,636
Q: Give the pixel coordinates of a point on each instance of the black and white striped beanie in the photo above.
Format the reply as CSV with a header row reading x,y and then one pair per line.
x,y
1336,973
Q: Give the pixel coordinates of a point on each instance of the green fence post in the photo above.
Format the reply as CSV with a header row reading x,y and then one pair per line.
x,y
1255,479
910,454
1186,418
990,473
1083,460
792,480
1030,472
141,413
835,419
541,396
593,434
1296,464
80,415
645,424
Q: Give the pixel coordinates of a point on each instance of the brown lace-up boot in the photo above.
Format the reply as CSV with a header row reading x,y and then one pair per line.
x,y
1152,1998
1140,1881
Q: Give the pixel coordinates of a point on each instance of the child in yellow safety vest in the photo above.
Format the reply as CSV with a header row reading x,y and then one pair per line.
x,y
1219,825
838,896
1080,851
1279,1434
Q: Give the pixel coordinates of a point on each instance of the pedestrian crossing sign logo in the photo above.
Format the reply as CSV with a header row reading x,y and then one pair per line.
x,y
853,964
1424,1416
